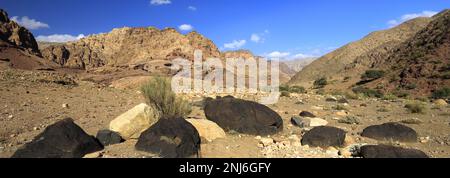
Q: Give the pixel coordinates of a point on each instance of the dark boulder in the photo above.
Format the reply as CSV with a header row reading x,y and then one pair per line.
x,y
170,138
243,116
108,137
385,151
300,122
390,132
307,114
324,136
63,139
343,101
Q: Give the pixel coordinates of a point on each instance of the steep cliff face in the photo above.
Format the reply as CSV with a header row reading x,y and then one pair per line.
x,y
130,47
13,35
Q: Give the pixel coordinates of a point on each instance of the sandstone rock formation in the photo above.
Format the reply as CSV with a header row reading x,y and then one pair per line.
x,y
145,48
208,130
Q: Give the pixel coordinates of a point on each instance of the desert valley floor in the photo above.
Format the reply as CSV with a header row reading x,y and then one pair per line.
x,y
32,100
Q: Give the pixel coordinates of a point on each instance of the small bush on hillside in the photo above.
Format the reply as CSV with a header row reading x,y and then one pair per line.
x,y
368,92
158,92
390,97
297,89
320,83
443,93
340,108
372,75
415,107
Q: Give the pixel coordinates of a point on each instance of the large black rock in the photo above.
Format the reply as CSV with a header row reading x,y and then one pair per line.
x,y
170,138
307,114
243,116
390,132
324,136
63,139
108,137
385,151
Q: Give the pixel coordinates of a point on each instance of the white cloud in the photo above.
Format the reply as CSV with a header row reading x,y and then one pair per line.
x,y
192,8
59,38
160,2
278,54
407,17
28,23
185,27
255,38
302,56
235,44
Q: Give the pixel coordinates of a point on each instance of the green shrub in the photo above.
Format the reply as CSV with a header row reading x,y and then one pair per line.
x,y
415,107
372,75
411,86
320,83
284,87
443,93
368,92
390,97
158,92
351,120
340,108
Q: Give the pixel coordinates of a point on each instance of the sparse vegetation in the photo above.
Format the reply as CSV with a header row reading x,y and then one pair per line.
x,y
320,83
390,97
415,107
292,89
340,108
158,92
372,75
367,92
443,93
351,120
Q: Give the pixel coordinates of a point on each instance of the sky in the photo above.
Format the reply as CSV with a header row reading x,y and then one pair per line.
x,y
272,28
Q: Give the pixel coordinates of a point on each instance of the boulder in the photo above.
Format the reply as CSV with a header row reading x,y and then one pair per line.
x,y
385,151
243,116
440,102
63,139
390,132
307,114
324,136
343,100
331,99
170,138
108,137
208,130
132,123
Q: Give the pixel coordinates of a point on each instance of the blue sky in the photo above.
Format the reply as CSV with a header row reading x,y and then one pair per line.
x,y
278,28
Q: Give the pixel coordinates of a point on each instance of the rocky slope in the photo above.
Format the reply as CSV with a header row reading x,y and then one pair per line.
x,y
333,65
147,48
297,65
421,64
18,48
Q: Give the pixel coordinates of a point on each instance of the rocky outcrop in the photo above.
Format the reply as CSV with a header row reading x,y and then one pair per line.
x,y
144,48
324,136
14,35
208,130
243,116
63,139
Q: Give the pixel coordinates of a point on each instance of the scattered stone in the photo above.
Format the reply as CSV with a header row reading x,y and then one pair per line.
x,y
132,123
343,101
331,99
63,139
243,116
170,138
412,121
108,137
208,130
307,114
424,139
440,102
10,116
308,122
266,141
35,128
324,136
363,105
97,154
341,113
258,137
351,120
65,105
385,151
390,132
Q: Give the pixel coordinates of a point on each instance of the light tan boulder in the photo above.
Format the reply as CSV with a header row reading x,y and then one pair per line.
x,y
440,102
132,123
207,129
